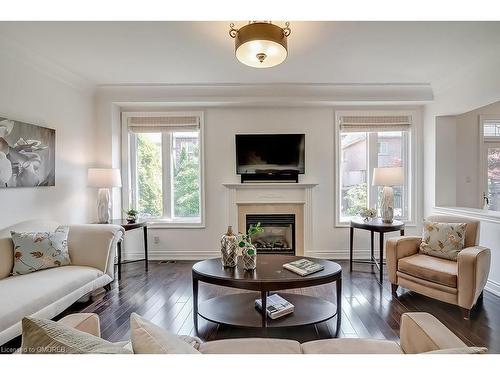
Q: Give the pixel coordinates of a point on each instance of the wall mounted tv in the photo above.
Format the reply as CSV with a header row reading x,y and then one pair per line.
x,y
270,156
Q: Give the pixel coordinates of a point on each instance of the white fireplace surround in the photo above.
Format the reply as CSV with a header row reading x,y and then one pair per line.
x,y
238,194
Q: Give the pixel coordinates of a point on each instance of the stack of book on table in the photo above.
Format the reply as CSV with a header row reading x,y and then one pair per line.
x,y
303,267
277,306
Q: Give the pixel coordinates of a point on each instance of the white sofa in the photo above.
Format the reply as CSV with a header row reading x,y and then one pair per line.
x,y
46,293
420,333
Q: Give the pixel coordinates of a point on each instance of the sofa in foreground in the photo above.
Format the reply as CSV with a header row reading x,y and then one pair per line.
x,y
79,333
48,292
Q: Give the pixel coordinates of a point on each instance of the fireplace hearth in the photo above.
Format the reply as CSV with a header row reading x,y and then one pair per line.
x,y
278,236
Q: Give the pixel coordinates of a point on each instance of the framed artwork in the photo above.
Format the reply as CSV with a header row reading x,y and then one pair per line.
x,y
27,154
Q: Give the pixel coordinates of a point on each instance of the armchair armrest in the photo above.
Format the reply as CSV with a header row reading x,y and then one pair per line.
x,y
473,270
94,245
85,322
421,332
397,248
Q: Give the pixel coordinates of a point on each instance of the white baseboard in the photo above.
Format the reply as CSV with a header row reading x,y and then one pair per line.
x,y
339,254
493,287
206,254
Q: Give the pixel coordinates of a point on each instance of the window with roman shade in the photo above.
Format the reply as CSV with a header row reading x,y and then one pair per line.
x,y
165,166
366,142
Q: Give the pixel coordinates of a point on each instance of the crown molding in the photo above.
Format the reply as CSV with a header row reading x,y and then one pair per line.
x,y
272,94
18,52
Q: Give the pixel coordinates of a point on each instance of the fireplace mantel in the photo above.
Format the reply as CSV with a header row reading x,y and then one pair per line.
x,y
272,193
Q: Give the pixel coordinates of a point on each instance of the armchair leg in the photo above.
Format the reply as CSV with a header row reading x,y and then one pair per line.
x,y
480,298
394,289
107,287
465,313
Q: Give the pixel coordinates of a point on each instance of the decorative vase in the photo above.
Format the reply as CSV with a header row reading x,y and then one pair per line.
x,y
229,248
249,257
387,205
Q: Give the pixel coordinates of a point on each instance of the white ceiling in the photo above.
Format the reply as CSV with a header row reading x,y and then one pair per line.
x,y
202,52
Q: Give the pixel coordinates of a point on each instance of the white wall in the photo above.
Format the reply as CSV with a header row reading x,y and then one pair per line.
x,y
466,92
446,160
31,95
221,123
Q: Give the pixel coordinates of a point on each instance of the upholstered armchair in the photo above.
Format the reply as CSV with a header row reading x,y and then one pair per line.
x,y
459,282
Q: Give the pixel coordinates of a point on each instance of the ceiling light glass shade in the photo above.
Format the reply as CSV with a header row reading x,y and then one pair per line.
x,y
261,45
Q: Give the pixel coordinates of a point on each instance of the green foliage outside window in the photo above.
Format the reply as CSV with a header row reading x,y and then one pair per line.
x,y
357,198
149,174
187,184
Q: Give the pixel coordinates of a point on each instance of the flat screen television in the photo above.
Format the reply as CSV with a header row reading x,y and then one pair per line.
x,y
265,153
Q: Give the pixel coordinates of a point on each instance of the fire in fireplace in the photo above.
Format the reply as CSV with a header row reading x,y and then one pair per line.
x,y
278,236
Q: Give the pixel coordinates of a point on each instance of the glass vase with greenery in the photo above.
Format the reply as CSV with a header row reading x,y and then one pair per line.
x,y
248,250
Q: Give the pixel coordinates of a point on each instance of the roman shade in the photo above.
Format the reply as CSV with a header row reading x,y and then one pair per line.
x,y
161,124
355,124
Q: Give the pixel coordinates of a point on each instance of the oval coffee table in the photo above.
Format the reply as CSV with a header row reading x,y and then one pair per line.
x,y
239,309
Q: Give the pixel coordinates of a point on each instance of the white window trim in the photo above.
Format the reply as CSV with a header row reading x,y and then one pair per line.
x,y
128,172
484,144
411,179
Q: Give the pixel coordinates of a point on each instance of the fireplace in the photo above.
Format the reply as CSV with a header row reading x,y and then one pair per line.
x,y
278,236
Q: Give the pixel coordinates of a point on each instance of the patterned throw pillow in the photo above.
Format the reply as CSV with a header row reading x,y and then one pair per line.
x,y
34,251
443,240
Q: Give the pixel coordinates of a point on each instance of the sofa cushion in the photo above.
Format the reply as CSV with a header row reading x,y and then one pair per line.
x,y
34,251
351,346
437,270
27,294
443,240
42,336
251,346
148,338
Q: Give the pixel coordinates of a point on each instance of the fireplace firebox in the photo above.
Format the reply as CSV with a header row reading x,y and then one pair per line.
x,y
278,236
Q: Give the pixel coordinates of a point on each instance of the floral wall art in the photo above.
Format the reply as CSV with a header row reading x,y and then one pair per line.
x,y
27,154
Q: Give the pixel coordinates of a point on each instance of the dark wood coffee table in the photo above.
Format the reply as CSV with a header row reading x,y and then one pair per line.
x,y
239,309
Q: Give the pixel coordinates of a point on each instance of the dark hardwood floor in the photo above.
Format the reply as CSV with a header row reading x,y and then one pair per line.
x,y
164,296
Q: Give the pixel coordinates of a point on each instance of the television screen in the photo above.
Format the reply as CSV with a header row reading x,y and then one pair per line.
x,y
256,153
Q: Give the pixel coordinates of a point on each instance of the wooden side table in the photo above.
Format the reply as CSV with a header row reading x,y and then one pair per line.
x,y
374,225
129,226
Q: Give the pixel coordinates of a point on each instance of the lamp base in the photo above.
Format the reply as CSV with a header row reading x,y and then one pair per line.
x,y
103,206
387,205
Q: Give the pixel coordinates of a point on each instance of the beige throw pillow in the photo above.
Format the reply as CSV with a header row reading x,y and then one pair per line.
x,y
42,336
148,338
443,240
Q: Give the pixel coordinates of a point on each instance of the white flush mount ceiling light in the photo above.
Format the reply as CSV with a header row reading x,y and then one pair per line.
x,y
261,44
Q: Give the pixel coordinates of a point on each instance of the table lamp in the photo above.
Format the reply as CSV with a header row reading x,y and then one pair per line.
x,y
387,177
104,179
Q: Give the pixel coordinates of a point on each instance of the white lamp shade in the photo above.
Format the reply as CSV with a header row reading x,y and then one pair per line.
x,y
388,176
104,177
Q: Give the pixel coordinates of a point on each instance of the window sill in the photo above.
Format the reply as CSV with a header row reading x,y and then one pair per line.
x,y
159,224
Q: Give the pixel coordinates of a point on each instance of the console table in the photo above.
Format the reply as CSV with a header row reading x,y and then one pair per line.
x,y
373,225
129,226
239,309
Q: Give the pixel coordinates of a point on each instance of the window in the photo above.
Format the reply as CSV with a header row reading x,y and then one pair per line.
x,y
383,148
165,166
364,143
490,162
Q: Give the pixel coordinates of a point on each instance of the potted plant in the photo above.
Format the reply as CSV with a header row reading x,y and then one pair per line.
x,y
132,215
248,250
